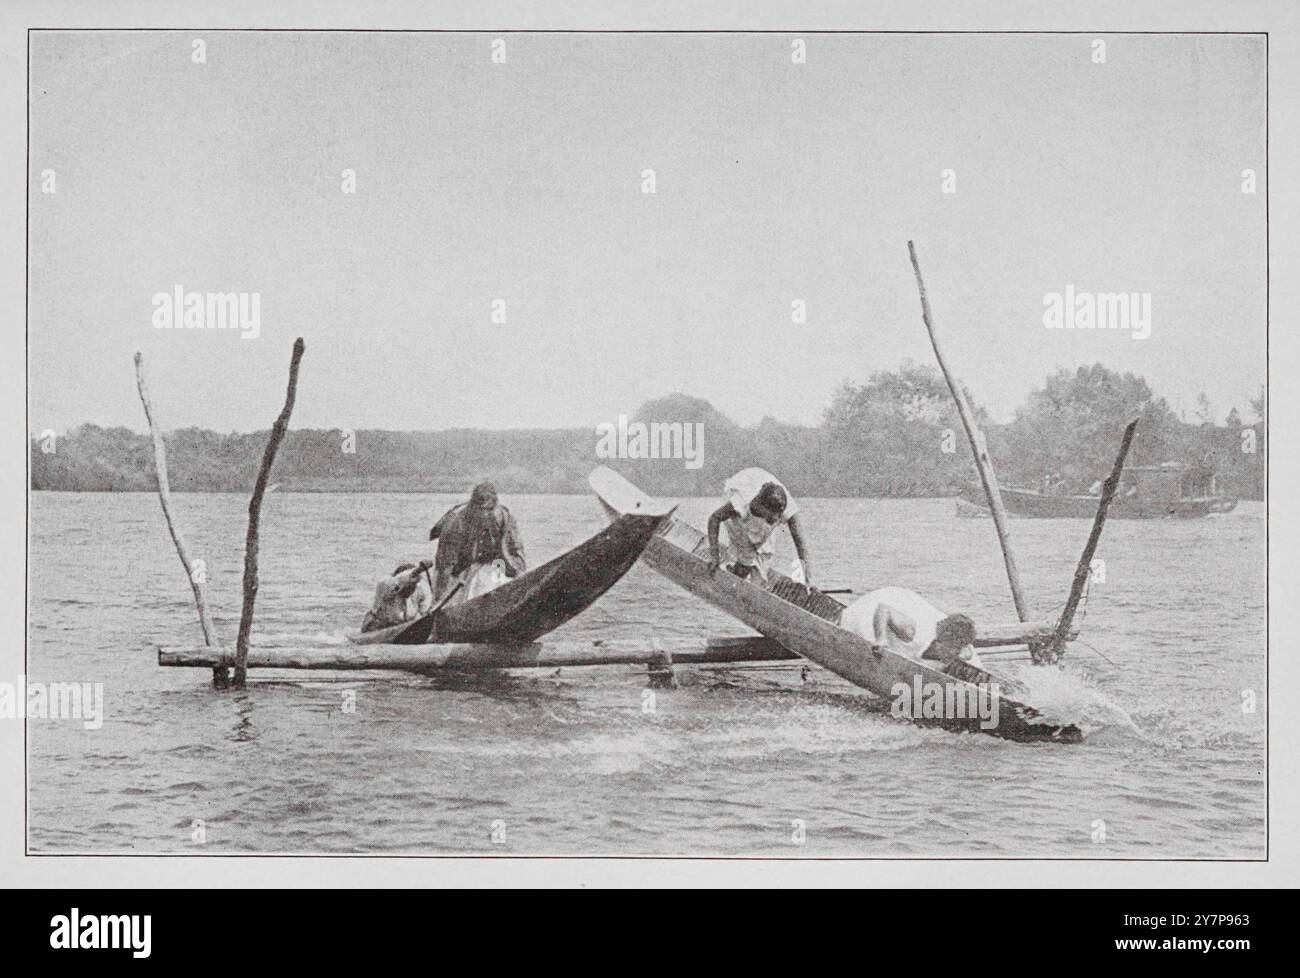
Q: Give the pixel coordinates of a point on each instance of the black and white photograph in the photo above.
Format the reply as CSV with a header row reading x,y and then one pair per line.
x,y
700,442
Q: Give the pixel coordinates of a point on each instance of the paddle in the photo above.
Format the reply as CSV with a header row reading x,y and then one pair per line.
x,y
433,590
450,594
438,607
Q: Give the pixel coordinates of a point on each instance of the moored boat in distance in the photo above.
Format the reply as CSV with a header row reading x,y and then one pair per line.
x,y
806,622
539,601
1147,492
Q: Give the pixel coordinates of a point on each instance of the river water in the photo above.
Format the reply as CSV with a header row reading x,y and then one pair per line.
x,y
733,762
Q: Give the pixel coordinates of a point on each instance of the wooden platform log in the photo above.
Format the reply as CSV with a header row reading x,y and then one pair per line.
x,y
435,658
540,655
1017,633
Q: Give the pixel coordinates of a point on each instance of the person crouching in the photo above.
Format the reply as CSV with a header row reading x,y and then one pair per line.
x,y
402,596
904,622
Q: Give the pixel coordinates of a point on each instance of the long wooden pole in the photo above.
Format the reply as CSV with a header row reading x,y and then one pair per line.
x,y
983,463
1056,644
255,513
220,675
548,655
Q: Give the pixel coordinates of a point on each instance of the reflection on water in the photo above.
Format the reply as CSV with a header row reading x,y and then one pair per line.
x,y
243,703
581,760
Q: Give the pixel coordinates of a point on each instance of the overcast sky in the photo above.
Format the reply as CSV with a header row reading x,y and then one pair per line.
x,y
522,182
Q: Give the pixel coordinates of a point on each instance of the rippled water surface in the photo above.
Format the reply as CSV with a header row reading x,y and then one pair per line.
x,y
734,761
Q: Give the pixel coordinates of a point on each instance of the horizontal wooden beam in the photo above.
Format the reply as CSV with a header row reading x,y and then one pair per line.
x,y
1016,633
432,658
539,655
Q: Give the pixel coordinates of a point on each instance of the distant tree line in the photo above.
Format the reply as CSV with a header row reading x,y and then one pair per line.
x,y
897,434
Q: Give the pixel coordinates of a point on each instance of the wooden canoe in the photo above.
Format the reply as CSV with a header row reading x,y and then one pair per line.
x,y
1039,505
534,603
806,622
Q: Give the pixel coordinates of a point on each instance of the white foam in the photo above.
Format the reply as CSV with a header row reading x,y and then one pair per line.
x,y
1067,696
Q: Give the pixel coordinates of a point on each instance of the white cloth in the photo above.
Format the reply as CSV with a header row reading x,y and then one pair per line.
x,y
860,618
750,536
479,579
421,602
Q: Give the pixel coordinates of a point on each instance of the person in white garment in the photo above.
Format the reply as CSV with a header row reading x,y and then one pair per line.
x,y
904,622
756,504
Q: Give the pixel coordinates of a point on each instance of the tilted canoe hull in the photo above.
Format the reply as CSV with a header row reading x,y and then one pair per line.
x,y
678,551
537,602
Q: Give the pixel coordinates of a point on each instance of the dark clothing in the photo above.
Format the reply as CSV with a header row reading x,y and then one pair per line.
x,y
468,535
744,572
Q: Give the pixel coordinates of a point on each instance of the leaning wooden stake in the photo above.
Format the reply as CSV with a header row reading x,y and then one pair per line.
x,y
220,676
978,447
254,514
1052,649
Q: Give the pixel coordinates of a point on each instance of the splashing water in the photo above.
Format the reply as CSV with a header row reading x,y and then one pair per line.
x,y
1067,695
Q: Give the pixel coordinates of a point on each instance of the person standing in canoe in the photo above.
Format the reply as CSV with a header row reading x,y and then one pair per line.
x,y
402,596
756,504
479,547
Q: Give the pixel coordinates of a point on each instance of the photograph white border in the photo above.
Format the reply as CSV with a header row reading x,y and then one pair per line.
x,y
1280,18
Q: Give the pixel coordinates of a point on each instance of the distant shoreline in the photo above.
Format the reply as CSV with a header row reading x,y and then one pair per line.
x,y
459,492
895,437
